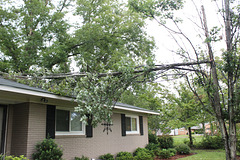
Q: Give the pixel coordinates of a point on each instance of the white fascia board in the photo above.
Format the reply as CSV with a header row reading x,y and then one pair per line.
x,y
53,96
33,93
135,110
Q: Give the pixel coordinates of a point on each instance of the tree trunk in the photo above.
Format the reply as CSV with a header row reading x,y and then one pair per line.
x,y
229,138
231,97
204,129
211,127
190,136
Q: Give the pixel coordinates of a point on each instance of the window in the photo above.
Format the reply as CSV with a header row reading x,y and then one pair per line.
x,y
132,124
68,123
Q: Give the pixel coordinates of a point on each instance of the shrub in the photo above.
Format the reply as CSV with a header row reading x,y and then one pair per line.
x,y
187,141
238,144
165,142
183,149
211,142
2,157
106,157
124,156
164,154
82,158
152,138
173,151
143,154
47,149
152,147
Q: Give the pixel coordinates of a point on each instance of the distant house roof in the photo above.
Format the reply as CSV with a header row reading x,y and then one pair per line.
x,y
13,86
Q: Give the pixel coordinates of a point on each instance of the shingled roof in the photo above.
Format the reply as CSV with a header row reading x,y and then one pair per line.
x,y
122,106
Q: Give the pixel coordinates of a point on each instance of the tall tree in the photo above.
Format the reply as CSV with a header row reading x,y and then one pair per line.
x,y
29,31
37,40
187,110
213,78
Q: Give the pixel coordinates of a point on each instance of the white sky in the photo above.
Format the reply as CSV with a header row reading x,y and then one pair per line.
x,y
165,42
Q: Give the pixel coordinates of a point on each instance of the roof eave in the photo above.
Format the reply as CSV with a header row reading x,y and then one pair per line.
x,y
57,97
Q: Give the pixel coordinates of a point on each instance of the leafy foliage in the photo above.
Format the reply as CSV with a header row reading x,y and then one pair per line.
x,y
124,156
165,142
22,157
82,158
107,156
152,147
211,142
142,154
164,154
152,138
37,40
173,151
47,149
183,149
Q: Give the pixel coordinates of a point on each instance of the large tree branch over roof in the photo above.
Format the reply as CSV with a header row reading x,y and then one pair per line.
x,y
83,74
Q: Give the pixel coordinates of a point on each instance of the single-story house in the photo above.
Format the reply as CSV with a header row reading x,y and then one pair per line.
x,y
29,114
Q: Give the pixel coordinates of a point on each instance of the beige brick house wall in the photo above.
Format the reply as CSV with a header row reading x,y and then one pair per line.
x,y
9,130
36,126
19,129
27,126
101,143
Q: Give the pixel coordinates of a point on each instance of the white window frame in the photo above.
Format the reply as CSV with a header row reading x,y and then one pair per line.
x,y
69,132
137,118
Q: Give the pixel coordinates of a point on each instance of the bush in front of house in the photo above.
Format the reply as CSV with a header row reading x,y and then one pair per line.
x,y
107,156
164,153
143,154
172,151
82,158
152,138
22,157
211,142
165,142
124,156
153,147
183,149
47,149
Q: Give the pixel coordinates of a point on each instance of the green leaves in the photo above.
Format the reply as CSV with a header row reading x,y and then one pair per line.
x,y
156,8
109,38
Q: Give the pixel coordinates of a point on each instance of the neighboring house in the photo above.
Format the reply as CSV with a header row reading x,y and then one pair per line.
x,y
183,131
28,115
173,132
195,129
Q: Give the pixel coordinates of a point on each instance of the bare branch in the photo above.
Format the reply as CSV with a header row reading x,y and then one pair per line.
x,y
83,74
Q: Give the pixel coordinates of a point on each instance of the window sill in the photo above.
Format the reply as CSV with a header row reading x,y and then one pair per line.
x,y
69,136
133,134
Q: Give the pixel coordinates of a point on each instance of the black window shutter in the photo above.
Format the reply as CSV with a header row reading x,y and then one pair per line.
x,y
50,125
89,128
141,124
123,124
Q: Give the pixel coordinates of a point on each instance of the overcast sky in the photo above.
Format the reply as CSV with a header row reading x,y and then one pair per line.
x,y
165,42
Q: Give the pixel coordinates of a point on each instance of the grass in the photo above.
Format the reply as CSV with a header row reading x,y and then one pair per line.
x,y
181,138
201,154
206,155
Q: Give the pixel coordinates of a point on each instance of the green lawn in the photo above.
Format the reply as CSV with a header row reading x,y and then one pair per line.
x,y
180,139
201,154
206,155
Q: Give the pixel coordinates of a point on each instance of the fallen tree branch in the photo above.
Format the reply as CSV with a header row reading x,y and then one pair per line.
x,y
83,74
